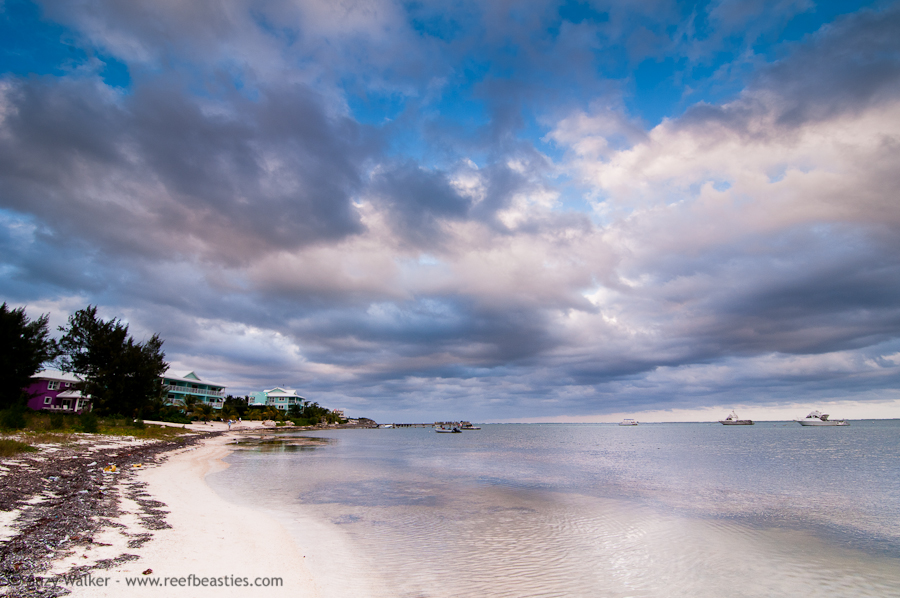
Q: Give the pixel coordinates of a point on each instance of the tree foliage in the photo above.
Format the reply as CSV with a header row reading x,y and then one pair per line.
x,y
312,413
25,345
120,374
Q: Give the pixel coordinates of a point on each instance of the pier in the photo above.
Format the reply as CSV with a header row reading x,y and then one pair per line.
x,y
432,425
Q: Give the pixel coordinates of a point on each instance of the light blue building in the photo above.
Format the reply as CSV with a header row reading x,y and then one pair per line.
x,y
178,386
280,398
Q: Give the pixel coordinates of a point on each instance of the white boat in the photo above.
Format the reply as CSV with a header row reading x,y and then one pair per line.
x,y
817,418
628,422
453,430
734,420
467,426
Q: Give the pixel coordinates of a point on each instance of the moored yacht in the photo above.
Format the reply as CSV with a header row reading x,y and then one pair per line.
x,y
628,422
734,420
817,418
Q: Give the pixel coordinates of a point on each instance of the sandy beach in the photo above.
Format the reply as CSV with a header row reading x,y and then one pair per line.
x,y
165,532
213,541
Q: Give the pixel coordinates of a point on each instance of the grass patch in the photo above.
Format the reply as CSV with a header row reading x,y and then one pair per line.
x,y
59,428
39,437
9,447
119,428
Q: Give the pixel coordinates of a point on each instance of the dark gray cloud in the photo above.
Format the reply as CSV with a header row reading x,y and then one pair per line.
x,y
846,66
156,171
419,200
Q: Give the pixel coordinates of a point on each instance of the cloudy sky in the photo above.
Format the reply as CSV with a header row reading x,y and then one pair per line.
x,y
499,211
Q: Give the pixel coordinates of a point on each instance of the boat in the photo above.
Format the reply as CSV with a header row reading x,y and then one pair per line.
x,y
628,422
467,426
453,430
734,420
817,418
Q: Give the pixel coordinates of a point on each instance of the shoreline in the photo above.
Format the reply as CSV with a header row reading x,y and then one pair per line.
x,y
151,525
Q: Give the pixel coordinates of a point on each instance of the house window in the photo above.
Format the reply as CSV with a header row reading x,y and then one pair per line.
x,y
66,404
53,385
48,400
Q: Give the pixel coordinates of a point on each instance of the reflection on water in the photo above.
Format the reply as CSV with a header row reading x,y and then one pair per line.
x,y
596,511
263,444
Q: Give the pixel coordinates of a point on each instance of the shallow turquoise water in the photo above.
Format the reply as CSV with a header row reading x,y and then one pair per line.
x,y
694,510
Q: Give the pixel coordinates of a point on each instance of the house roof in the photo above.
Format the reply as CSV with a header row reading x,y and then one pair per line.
x,y
56,375
190,377
282,392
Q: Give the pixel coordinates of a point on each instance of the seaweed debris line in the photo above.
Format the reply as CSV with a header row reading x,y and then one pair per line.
x,y
60,504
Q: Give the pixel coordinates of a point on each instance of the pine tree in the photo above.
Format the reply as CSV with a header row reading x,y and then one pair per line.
x,y
122,376
25,346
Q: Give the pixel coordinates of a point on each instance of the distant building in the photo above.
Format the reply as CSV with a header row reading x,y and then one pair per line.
x,y
52,390
280,398
179,386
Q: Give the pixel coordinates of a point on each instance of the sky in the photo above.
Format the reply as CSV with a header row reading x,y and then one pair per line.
x,y
493,211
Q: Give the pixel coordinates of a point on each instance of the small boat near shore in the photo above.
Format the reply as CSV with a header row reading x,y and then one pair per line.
x,y
467,426
817,418
734,420
628,422
453,430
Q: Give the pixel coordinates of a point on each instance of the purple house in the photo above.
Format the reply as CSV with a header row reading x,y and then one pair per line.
x,y
52,390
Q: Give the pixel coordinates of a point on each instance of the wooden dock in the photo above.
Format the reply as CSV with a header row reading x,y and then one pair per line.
x,y
433,425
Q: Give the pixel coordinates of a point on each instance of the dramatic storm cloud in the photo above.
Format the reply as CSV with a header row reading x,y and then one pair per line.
x,y
417,211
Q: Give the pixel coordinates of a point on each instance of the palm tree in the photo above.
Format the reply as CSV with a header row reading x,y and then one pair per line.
x,y
190,403
205,411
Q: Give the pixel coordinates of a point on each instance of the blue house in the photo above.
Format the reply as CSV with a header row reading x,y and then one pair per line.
x,y
280,398
178,386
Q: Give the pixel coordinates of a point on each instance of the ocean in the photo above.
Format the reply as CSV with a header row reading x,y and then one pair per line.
x,y
655,510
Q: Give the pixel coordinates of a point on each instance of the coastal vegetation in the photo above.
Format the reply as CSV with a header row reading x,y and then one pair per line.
x,y
309,413
24,346
121,375
10,447
42,427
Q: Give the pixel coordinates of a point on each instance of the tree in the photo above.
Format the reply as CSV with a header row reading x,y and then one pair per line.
x,y
25,346
204,411
121,375
235,405
190,404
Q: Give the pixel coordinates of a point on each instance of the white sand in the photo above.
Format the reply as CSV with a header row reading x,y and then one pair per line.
x,y
209,538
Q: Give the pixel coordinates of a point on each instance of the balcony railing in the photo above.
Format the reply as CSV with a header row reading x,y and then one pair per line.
x,y
195,391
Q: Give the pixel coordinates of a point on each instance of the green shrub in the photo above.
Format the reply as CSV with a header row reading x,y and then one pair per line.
x,y
13,418
87,422
169,414
138,423
9,447
56,421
